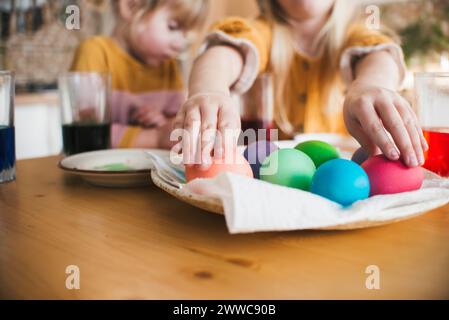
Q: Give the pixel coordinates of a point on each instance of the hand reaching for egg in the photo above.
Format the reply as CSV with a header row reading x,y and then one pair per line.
x,y
374,114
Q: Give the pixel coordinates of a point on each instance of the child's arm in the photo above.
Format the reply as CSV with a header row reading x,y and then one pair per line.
x,y
373,107
215,70
209,107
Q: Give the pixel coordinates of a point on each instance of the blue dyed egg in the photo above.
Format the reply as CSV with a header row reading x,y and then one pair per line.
x,y
342,181
256,153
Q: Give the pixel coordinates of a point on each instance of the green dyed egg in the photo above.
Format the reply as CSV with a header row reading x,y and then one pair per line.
x,y
319,151
288,167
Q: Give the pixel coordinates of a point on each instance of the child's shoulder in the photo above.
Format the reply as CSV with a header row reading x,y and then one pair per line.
x,y
236,25
93,54
97,43
361,35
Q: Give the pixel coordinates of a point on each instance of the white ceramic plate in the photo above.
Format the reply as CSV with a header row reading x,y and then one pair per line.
x,y
112,168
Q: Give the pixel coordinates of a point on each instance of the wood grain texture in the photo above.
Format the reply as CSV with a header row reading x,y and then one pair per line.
x,y
143,243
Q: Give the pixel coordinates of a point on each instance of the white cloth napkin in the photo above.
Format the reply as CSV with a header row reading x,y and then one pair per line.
x,y
252,205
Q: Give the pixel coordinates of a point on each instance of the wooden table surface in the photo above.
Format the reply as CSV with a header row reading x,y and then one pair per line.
x,y
141,243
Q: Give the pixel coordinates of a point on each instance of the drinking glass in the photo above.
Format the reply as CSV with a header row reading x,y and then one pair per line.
x,y
257,108
85,111
432,106
7,140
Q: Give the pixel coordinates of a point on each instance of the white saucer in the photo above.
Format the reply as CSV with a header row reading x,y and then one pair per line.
x,y
112,168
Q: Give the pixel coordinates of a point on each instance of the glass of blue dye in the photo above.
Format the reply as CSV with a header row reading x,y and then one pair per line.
x,y
7,141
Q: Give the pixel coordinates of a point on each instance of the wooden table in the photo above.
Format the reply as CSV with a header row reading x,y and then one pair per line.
x,y
141,243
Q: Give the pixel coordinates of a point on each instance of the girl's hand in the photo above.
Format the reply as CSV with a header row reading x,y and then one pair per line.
x,y
155,137
370,112
211,122
148,117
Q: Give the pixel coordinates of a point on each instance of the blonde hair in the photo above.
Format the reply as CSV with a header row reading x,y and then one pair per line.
x,y
330,42
191,14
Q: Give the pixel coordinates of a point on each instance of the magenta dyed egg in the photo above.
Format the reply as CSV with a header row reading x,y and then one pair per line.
x,y
389,177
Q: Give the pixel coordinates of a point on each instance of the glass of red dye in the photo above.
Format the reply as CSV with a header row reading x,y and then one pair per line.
x,y
432,106
257,110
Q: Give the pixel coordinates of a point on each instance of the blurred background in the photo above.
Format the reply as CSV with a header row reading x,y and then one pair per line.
x,y
36,45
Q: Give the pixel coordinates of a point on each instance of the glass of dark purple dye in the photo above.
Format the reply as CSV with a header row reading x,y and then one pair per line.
x,y
85,111
7,141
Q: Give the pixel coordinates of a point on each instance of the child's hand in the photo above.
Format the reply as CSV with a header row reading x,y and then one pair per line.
x,y
155,137
371,111
148,117
205,118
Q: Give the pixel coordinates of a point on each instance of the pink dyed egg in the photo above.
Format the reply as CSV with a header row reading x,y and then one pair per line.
x,y
389,177
236,164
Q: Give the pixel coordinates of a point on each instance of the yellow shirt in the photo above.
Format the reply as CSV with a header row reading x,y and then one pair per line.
x,y
302,93
134,84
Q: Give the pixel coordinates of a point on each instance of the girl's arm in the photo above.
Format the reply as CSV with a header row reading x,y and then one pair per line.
x,y
215,71
373,108
378,68
209,111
